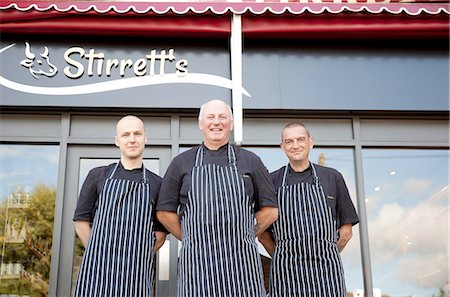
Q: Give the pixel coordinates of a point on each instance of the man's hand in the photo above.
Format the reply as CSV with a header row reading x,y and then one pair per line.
x,y
159,241
171,221
83,229
266,239
345,234
264,218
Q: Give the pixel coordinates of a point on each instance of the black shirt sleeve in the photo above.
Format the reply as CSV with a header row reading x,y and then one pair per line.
x,y
155,187
264,191
346,211
169,195
89,194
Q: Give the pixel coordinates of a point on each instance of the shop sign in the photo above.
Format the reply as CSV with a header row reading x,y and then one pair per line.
x,y
152,68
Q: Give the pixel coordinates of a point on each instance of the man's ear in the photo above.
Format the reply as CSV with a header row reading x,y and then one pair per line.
x,y
145,140
115,141
311,143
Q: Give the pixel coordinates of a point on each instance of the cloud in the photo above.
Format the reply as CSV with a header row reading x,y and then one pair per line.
x,y
52,157
416,187
9,151
429,272
414,239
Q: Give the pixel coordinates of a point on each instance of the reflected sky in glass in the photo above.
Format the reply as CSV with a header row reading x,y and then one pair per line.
x,y
407,206
27,165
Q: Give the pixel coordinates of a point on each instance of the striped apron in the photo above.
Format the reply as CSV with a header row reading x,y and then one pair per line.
x,y
306,261
219,256
118,261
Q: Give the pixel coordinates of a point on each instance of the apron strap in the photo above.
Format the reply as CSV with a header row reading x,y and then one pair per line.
x,y
284,182
144,177
114,170
199,155
316,178
231,154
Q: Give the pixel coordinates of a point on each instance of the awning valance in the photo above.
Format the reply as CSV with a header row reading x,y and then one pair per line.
x,y
410,7
326,19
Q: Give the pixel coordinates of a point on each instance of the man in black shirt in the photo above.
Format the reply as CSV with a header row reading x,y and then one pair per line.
x,y
115,218
314,225
209,199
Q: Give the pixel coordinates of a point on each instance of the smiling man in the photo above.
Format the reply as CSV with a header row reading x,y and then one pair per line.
x,y
209,199
315,224
115,221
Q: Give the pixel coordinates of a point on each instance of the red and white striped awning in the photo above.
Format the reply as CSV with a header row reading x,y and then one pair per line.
x,y
409,7
260,19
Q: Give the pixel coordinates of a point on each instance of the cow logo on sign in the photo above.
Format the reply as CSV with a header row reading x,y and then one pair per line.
x,y
38,64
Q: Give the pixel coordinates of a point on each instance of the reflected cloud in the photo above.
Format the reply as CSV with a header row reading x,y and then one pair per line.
x,y
8,151
416,187
412,236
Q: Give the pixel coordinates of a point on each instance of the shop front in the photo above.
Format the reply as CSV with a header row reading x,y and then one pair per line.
x,y
369,79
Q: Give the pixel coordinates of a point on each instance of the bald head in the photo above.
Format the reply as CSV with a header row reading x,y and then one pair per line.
x,y
128,120
214,102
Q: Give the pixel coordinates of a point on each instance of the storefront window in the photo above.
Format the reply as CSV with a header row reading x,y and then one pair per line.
x,y
28,177
407,207
341,160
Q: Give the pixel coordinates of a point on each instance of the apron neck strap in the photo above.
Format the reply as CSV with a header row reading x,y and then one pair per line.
x,y
144,177
316,178
114,170
313,168
199,156
284,182
230,152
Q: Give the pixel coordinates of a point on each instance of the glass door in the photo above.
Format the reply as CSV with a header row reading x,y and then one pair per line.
x,y
80,161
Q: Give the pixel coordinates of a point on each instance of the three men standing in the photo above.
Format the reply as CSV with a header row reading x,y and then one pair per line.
x,y
211,197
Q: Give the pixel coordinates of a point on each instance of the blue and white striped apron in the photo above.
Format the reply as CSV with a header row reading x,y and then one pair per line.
x,y
306,261
219,256
118,261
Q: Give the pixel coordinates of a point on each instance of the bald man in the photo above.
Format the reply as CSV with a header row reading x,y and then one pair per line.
x,y
114,219
210,198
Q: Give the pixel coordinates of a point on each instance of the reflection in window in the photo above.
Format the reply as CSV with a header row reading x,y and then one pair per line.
x,y
341,160
28,177
407,207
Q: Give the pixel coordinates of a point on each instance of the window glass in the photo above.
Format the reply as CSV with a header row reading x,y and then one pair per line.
x,y
341,160
407,207
28,178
